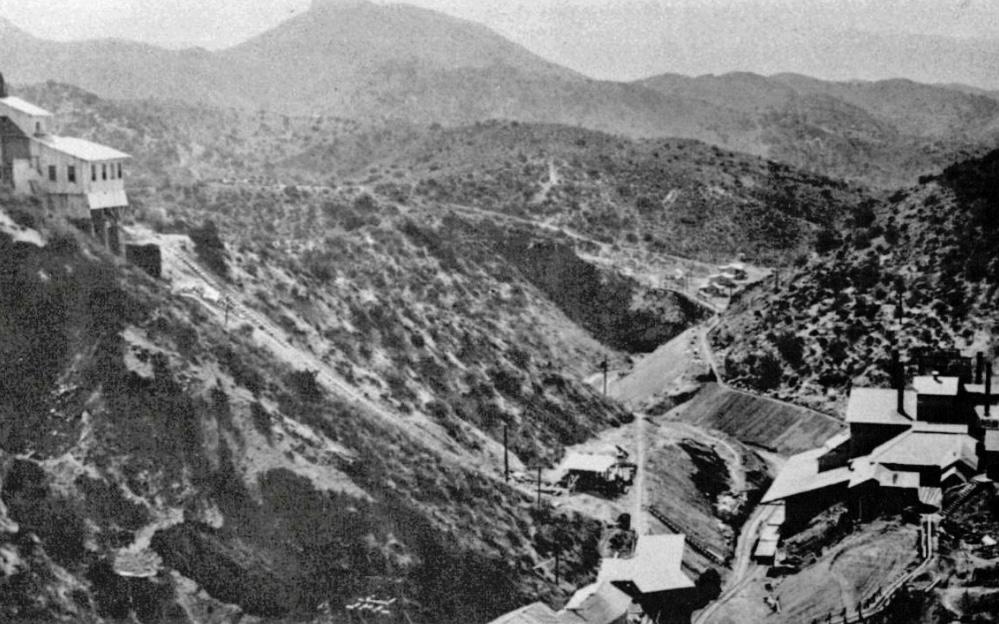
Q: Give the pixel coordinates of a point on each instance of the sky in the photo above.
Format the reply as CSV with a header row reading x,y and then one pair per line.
x,y
618,39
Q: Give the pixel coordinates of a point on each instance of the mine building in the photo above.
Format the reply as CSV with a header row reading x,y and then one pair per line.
x,y
906,446
736,270
73,178
595,472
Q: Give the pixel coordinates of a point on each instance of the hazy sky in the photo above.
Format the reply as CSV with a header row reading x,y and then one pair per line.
x,y
604,38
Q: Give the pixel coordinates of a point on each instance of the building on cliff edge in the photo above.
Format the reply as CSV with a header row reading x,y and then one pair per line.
x,y
73,178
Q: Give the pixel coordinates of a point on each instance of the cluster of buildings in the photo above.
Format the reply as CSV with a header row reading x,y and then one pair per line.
x,y
729,277
73,178
907,448
650,582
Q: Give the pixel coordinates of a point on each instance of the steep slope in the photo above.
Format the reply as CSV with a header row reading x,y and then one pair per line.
x,y
919,269
311,412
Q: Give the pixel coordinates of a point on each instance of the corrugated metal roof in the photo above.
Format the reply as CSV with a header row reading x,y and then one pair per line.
x,y
583,462
879,406
81,148
107,199
801,474
535,613
936,385
24,107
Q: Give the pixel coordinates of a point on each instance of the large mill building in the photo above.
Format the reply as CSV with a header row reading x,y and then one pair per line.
x,y
74,178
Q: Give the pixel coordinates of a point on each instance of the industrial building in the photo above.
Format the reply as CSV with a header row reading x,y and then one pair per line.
x,y
906,447
73,178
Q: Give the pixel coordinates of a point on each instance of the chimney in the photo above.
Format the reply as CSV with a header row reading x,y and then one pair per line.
x,y
988,388
979,364
3,88
900,387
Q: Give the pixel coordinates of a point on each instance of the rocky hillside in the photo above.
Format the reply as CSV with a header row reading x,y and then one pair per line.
x,y
919,269
308,407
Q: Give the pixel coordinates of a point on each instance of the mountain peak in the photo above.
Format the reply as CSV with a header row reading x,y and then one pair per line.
x,y
326,5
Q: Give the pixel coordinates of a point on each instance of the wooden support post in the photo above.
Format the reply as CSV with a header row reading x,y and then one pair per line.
x,y
506,452
558,552
539,486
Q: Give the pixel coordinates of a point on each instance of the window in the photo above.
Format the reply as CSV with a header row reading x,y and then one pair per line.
x,y
71,174
52,173
119,171
93,173
104,171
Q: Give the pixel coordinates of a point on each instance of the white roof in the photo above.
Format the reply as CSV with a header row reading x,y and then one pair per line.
x,y
107,199
25,107
801,474
936,385
588,463
599,603
535,613
655,567
81,148
992,440
925,448
879,406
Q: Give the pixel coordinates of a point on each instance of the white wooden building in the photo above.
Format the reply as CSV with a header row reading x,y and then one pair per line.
x,y
75,178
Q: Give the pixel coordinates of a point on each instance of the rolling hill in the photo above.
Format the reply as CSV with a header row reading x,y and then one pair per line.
x,y
372,62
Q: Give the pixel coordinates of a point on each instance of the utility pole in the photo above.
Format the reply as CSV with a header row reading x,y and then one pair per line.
x,y
227,304
558,552
539,487
603,367
506,452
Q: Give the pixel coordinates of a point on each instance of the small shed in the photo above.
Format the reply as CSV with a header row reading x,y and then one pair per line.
x,y
585,471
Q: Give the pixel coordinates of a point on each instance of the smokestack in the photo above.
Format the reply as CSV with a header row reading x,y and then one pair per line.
x,y
893,368
988,388
979,364
900,387
3,87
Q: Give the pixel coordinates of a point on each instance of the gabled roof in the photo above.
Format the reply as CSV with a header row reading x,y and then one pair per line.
x,y
24,107
801,474
81,148
934,385
599,603
879,406
583,462
655,567
535,613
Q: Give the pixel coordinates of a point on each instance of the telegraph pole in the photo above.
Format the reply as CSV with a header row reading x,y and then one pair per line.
x,y
603,367
506,452
539,486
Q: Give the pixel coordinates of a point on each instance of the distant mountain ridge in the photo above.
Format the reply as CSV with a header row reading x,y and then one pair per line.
x,y
359,60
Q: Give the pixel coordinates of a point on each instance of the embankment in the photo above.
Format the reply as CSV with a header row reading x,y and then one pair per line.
x,y
758,421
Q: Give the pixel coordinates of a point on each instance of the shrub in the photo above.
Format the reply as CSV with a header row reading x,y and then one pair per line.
x,y
210,248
